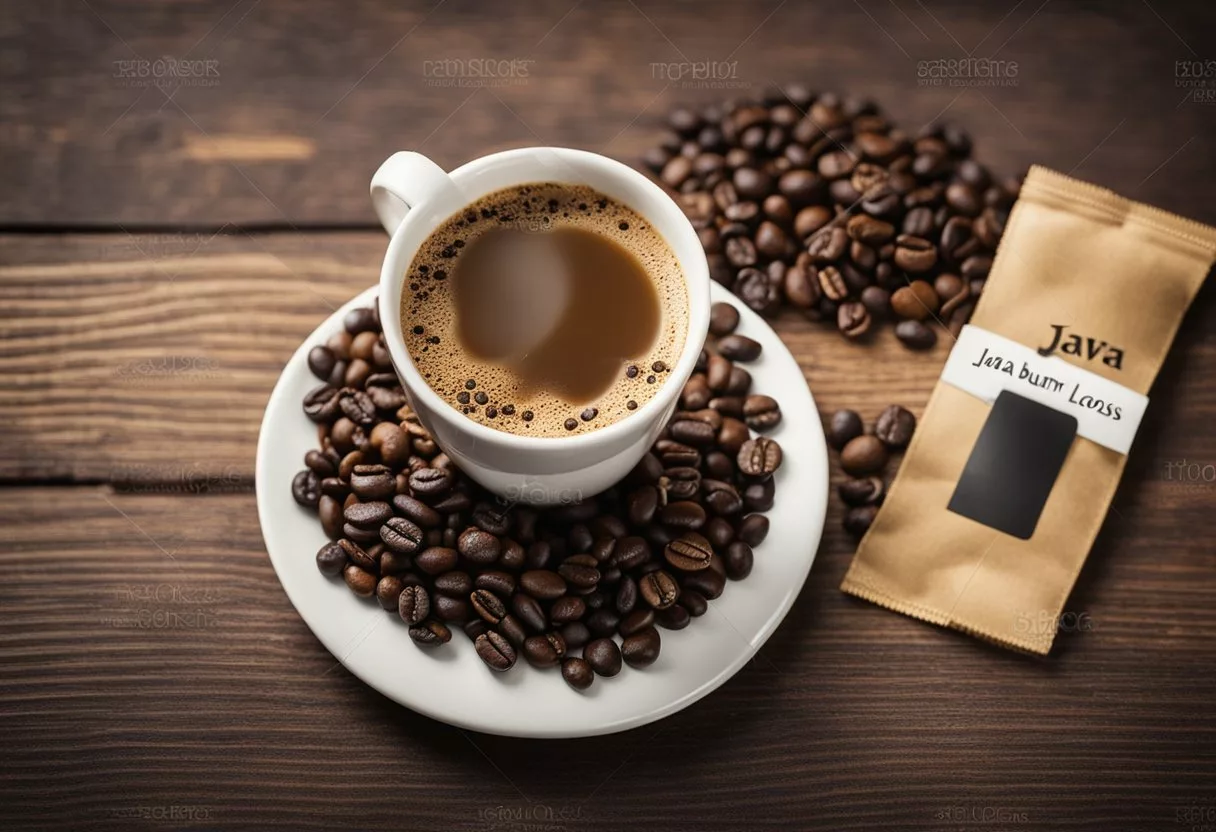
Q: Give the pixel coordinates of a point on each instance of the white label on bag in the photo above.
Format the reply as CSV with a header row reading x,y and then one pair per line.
x,y
983,364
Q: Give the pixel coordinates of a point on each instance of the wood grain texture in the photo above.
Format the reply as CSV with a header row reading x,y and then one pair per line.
x,y
292,109
149,660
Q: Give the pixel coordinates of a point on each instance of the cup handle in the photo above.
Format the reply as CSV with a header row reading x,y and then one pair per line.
x,y
402,182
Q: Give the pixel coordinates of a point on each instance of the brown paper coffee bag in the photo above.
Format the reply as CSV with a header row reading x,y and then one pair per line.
x,y
1079,310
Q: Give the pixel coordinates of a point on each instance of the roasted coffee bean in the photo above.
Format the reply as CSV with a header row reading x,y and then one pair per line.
x,y
542,584
630,552
528,611
456,583
858,492
321,405
723,319
694,602
759,495
479,547
360,534
690,432
915,302
877,302
642,648
348,464
401,535
500,583
843,427
707,582
707,415
361,319
757,290
915,335
360,581
831,284
739,560
733,435
895,426
853,319
329,512
658,589
578,571
357,406
448,608
496,651
740,382
388,590
636,622
914,254
512,630
431,483
863,455
869,231
306,488
723,500
436,560
567,609
602,622
753,529
626,595
487,605
544,650
683,514
759,457
801,286
331,559
857,520
642,504
827,245
577,673
719,532
416,511
320,464
368,515
430,633
603,656
739,348
335,488
414,604
696,393
321,361
674,617
359,556
689,552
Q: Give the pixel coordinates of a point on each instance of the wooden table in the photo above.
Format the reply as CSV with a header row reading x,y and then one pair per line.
x,y
170,231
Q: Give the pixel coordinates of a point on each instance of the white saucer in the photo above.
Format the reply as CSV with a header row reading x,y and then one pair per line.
x,y
451,683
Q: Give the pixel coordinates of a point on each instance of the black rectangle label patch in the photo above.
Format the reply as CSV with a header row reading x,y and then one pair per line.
x,y
1014,465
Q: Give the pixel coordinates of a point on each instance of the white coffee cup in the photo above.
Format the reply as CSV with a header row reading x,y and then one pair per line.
x,y
413,196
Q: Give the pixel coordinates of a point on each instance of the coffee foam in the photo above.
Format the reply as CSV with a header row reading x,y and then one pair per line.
x,y
428,313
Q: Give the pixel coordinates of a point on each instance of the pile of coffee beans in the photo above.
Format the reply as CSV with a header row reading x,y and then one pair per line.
x,y
864,457
596,577
818,202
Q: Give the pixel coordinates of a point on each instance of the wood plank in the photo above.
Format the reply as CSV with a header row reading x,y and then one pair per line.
x,y
148,359
150,664
289,114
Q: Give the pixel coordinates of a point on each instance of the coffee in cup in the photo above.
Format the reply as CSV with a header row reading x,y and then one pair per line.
x,y
545,309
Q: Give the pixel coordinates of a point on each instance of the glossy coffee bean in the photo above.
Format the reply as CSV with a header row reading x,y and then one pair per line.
x,y
331,559
544,650
413,604
895,426
604,656
496,651
577,673
863,455
641,649
753,529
